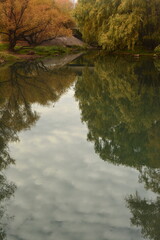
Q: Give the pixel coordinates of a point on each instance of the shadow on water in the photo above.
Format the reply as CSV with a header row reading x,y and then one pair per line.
x,y
22,85
120,104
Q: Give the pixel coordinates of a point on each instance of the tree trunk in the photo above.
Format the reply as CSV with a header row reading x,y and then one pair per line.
x,y
12,42
30,40
12,46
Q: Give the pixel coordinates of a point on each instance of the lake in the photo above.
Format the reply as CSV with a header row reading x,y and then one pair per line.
x,y
80,149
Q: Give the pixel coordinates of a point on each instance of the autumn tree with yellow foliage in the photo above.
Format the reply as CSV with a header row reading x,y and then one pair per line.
x,y
34,21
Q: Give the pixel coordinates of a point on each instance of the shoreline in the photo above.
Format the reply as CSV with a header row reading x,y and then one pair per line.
x,y
23,52
32,53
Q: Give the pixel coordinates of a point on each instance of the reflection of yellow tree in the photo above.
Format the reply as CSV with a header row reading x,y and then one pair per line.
x,y
21,85
34,82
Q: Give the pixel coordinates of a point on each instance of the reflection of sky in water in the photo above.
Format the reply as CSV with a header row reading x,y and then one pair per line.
x,y
64,190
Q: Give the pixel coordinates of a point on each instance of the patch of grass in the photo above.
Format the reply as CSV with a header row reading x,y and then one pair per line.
x,y
50,50
23,50
4,55
7,57
42,50
80,48
3,46
38,51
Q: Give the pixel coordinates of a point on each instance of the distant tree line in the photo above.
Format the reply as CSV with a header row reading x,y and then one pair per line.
x,y
119,24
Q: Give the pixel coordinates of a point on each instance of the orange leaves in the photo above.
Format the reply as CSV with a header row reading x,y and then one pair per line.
x,y
65,4
33,20
51,22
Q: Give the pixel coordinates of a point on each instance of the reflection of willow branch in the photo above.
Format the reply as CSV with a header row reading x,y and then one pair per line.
x,y
151,178
150,77
145,214
155,84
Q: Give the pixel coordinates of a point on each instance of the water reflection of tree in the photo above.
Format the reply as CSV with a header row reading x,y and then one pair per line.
x,y
6,191
21,85
33,82
117,105
120,102
151,178
145,214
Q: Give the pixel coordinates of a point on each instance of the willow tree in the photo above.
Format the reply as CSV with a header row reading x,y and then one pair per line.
x,y
134,22
119,24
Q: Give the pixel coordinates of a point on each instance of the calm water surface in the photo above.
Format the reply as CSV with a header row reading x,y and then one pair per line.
x,y
80,150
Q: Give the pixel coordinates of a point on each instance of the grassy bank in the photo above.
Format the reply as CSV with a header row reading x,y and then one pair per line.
x,y
6,56
26,52
29,53
42,50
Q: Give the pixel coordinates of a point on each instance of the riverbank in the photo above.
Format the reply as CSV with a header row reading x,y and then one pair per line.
x,y
24,52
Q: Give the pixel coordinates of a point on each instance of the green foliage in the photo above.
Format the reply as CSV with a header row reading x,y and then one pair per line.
x,y
42,50
157,49
8,57
145,214
115,24
3,46
120,100
4,55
